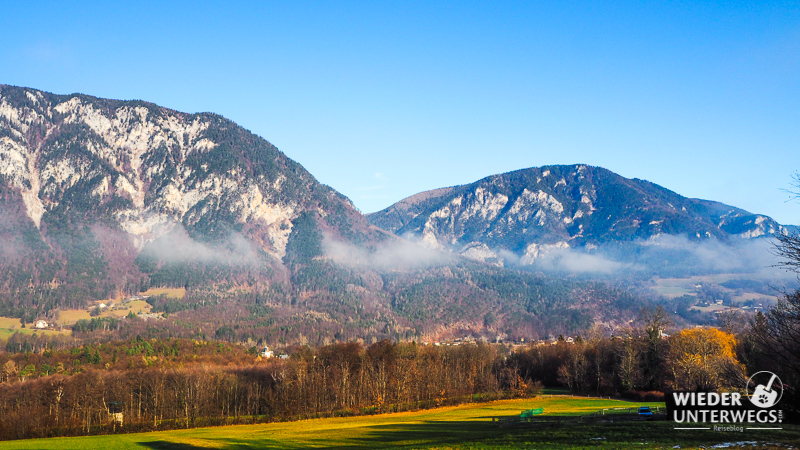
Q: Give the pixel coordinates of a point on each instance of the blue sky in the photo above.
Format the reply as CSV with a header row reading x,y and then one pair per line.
x,y
382,100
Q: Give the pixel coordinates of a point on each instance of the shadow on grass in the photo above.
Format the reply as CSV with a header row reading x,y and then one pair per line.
x,y
487,435
166,445
418,435
559,435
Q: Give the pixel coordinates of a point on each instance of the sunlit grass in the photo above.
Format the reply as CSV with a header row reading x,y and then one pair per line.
x,y
463,427
135,306
451,425
70,316
169,292
11,325
121,309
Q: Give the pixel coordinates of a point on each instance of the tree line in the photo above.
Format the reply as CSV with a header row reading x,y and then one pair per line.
x,y
339,379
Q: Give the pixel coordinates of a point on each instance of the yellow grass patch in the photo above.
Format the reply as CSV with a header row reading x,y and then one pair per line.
x,y
70,316
9,322
119,309
169,292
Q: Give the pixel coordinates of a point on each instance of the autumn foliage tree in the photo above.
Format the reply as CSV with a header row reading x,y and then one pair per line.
x,y
704,359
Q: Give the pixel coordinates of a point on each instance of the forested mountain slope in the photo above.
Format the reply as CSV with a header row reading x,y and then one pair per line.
x,y
105,198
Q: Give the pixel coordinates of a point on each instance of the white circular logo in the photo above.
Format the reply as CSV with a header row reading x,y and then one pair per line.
x,y
765,389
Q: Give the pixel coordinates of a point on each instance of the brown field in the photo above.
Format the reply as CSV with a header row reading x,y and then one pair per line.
x,y
121,309
713,308
752,296
169,292
70,316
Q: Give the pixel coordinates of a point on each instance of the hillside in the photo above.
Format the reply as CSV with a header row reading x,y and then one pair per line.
x,y
105,198
88,185
520,216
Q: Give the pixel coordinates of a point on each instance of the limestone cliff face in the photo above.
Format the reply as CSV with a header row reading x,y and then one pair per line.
x,y
530,211
148,169
100,196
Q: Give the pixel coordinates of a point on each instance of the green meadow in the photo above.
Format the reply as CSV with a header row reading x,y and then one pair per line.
x,y
457,427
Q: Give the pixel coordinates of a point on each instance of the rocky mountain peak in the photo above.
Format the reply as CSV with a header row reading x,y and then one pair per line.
x,y
149,169
529,211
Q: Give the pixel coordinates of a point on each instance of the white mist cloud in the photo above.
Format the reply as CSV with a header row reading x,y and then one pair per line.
x,y
178,246
574,261
745,255
395,253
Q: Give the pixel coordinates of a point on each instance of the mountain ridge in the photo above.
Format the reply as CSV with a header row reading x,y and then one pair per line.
x,y
574,206
78,171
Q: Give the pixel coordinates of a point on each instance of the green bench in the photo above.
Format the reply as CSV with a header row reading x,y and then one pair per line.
x,y
528,414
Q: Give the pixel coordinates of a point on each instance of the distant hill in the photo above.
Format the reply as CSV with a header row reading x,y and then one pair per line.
x,y
524,214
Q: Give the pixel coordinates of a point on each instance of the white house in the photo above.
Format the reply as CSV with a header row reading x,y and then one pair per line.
x,y
267,353
41,324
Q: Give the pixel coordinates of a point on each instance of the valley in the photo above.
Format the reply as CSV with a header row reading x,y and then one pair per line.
x,y
163,270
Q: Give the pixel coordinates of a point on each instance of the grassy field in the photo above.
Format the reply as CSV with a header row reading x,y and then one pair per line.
x,y
136,306
121,309
10,325
169,292
70,316
462,427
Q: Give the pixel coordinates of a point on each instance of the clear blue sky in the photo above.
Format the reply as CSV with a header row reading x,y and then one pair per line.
x,y
382,100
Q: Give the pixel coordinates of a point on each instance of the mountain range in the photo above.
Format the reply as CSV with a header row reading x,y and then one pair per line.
x,y
105,198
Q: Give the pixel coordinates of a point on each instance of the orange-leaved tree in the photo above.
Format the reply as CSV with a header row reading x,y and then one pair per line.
x,y
705,359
